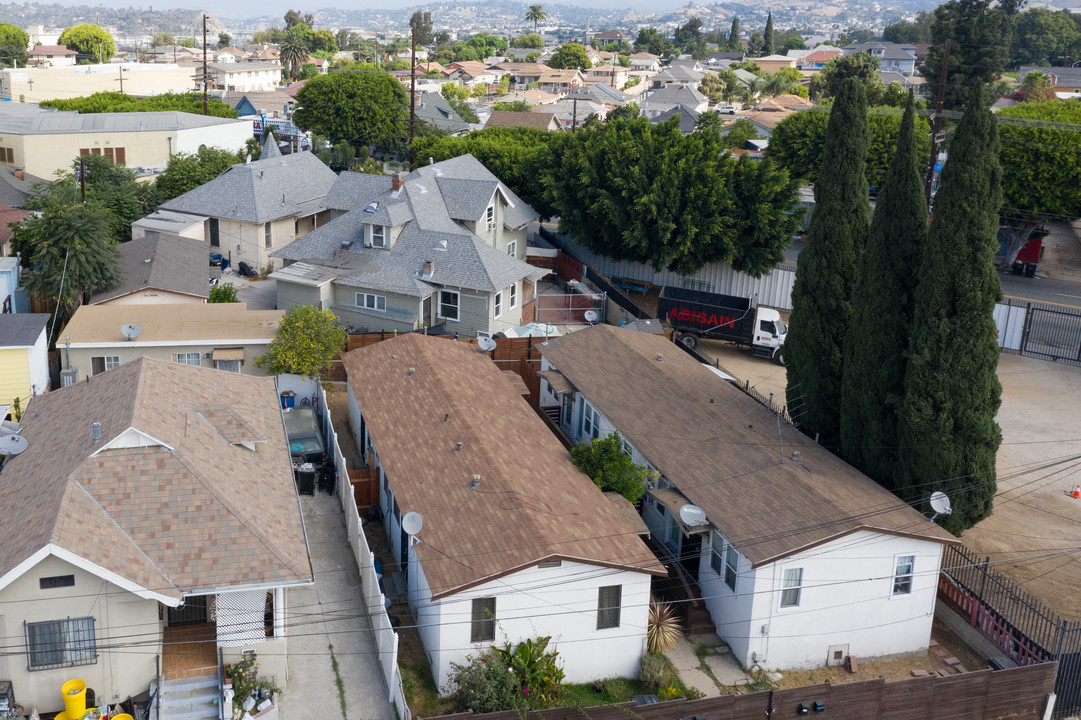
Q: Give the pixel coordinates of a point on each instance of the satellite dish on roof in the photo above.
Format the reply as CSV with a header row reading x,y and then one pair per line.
x,y
12,444
412,523
590,316
692,515
940,503
131,331
486,344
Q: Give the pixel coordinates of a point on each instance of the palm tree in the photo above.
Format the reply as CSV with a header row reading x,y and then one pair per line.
x,y
777,84
535,15
293,50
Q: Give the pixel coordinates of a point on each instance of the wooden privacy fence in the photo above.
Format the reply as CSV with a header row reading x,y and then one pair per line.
x,y
1019,693
1022,627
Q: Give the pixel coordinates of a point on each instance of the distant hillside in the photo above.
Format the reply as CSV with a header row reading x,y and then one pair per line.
x,y
129,21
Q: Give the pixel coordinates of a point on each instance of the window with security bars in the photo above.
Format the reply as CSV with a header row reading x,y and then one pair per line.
x,y
482,627
60,643
608,604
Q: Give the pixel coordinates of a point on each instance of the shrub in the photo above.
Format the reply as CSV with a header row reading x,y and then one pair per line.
x,y
223,293
484,684
663,628
655,671
540,679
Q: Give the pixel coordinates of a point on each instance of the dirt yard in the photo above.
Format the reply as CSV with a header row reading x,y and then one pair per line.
x,y
1035,521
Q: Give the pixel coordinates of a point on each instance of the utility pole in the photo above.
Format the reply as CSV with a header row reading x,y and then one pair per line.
x,y
82,178
413,86
937,127
206,77
574,120
121,80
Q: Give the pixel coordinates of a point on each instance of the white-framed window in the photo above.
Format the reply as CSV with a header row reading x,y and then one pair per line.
x,y
791,585
191,358
228,365
379,236
369,301
609,600
482,625
626,444
61,643
498,304
489,217
731,566
449,302
589,425
268,239
513,296
902,574
512,248
101,364
716,551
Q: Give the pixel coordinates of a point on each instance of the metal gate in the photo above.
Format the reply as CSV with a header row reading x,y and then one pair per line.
x,y
1052,332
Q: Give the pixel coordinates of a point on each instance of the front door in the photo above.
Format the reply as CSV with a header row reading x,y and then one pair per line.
x,y
426,311
192,612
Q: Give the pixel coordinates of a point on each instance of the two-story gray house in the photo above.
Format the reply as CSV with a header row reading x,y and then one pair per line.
x,y
444,246
892,57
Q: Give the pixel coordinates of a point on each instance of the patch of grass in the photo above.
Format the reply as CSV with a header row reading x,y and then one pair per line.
x,y
616,690
417,682
338,682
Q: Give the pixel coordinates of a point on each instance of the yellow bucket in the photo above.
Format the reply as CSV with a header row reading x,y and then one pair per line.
x,y
74,692
122,716
61,716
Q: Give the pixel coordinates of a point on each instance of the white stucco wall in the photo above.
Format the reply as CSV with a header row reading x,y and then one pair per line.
x,y
115,674
846,600
560,602
39,363
229,136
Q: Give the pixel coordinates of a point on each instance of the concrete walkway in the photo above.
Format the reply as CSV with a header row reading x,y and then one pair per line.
x,y
724,672
331,612
258,294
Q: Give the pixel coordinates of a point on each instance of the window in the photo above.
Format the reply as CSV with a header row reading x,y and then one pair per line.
x,y
227,365
379,236
371,302
590,421
626,446
489,217
498,304
7,156
513,296
189,358
731,566
902,574
99,364
120,159
61,643
716,552
790,587
448,305
57,581
608,602
512,248
268,240
215,237
482,627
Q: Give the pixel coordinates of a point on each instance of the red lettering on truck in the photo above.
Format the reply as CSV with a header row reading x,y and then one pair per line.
x,y
701,317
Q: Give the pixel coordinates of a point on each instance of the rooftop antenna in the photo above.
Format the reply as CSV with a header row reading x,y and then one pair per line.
x,y
12,444
940,503
131,331
779,438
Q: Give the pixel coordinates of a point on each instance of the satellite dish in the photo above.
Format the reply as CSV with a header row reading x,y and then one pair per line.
x,y
692,515
590,316
130,331
12,444
412,523
487,344
247,160
940,503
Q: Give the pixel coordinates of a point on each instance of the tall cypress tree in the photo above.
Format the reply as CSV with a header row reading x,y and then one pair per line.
x,y
948,431
769,47
827,270
877,343
733,36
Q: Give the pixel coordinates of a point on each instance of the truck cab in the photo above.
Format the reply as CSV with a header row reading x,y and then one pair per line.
x,y
769,333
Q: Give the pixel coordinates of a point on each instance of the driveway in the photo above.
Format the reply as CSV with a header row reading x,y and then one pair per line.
x,y
331,612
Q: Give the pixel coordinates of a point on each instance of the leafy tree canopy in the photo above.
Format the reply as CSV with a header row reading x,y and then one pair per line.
x,y
224,40
187,171
360,108
570,55
1040,169
980,36
651,41
421,22
739,133
529,40
1044,37
516,106
294,18
860,65
13,44
504,151
223,293
610,467
305,344
90,41
108,102
905,31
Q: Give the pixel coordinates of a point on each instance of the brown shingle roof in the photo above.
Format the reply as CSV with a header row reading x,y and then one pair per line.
x,y
537,120
720,448
532,502
190,511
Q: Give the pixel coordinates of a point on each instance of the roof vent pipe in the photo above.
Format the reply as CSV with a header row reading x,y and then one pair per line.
x,y
95,428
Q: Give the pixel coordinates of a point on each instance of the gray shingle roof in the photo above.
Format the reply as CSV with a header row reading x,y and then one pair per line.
x,y
176,264
355,190
1059,75
890,51
672,96
688,117
21,329
270,149
432,198
46,122
433,109
678,73
261,191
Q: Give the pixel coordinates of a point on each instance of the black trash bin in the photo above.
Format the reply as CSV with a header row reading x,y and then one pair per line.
x,y
305,478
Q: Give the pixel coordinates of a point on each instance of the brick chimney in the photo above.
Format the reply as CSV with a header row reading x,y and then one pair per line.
x,y
427,269
397,180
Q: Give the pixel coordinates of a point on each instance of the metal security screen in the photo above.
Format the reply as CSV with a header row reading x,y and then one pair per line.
x,y
60,643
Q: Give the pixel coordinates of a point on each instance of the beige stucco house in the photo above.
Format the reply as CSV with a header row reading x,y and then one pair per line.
x,y
225,336
253,209
128,534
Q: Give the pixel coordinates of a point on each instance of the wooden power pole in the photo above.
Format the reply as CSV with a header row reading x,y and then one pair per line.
x,y
936,128
206,76
413,86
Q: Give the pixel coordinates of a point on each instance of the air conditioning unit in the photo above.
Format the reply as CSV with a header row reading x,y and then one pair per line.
x,y
69,376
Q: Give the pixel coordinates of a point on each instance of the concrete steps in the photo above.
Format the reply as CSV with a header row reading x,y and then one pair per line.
x,y
190,699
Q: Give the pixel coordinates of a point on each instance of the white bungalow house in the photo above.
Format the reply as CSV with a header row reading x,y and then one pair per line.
x,y
515,542
156,515
801,560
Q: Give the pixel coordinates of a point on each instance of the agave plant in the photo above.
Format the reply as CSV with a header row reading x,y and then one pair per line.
x,y
663,629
